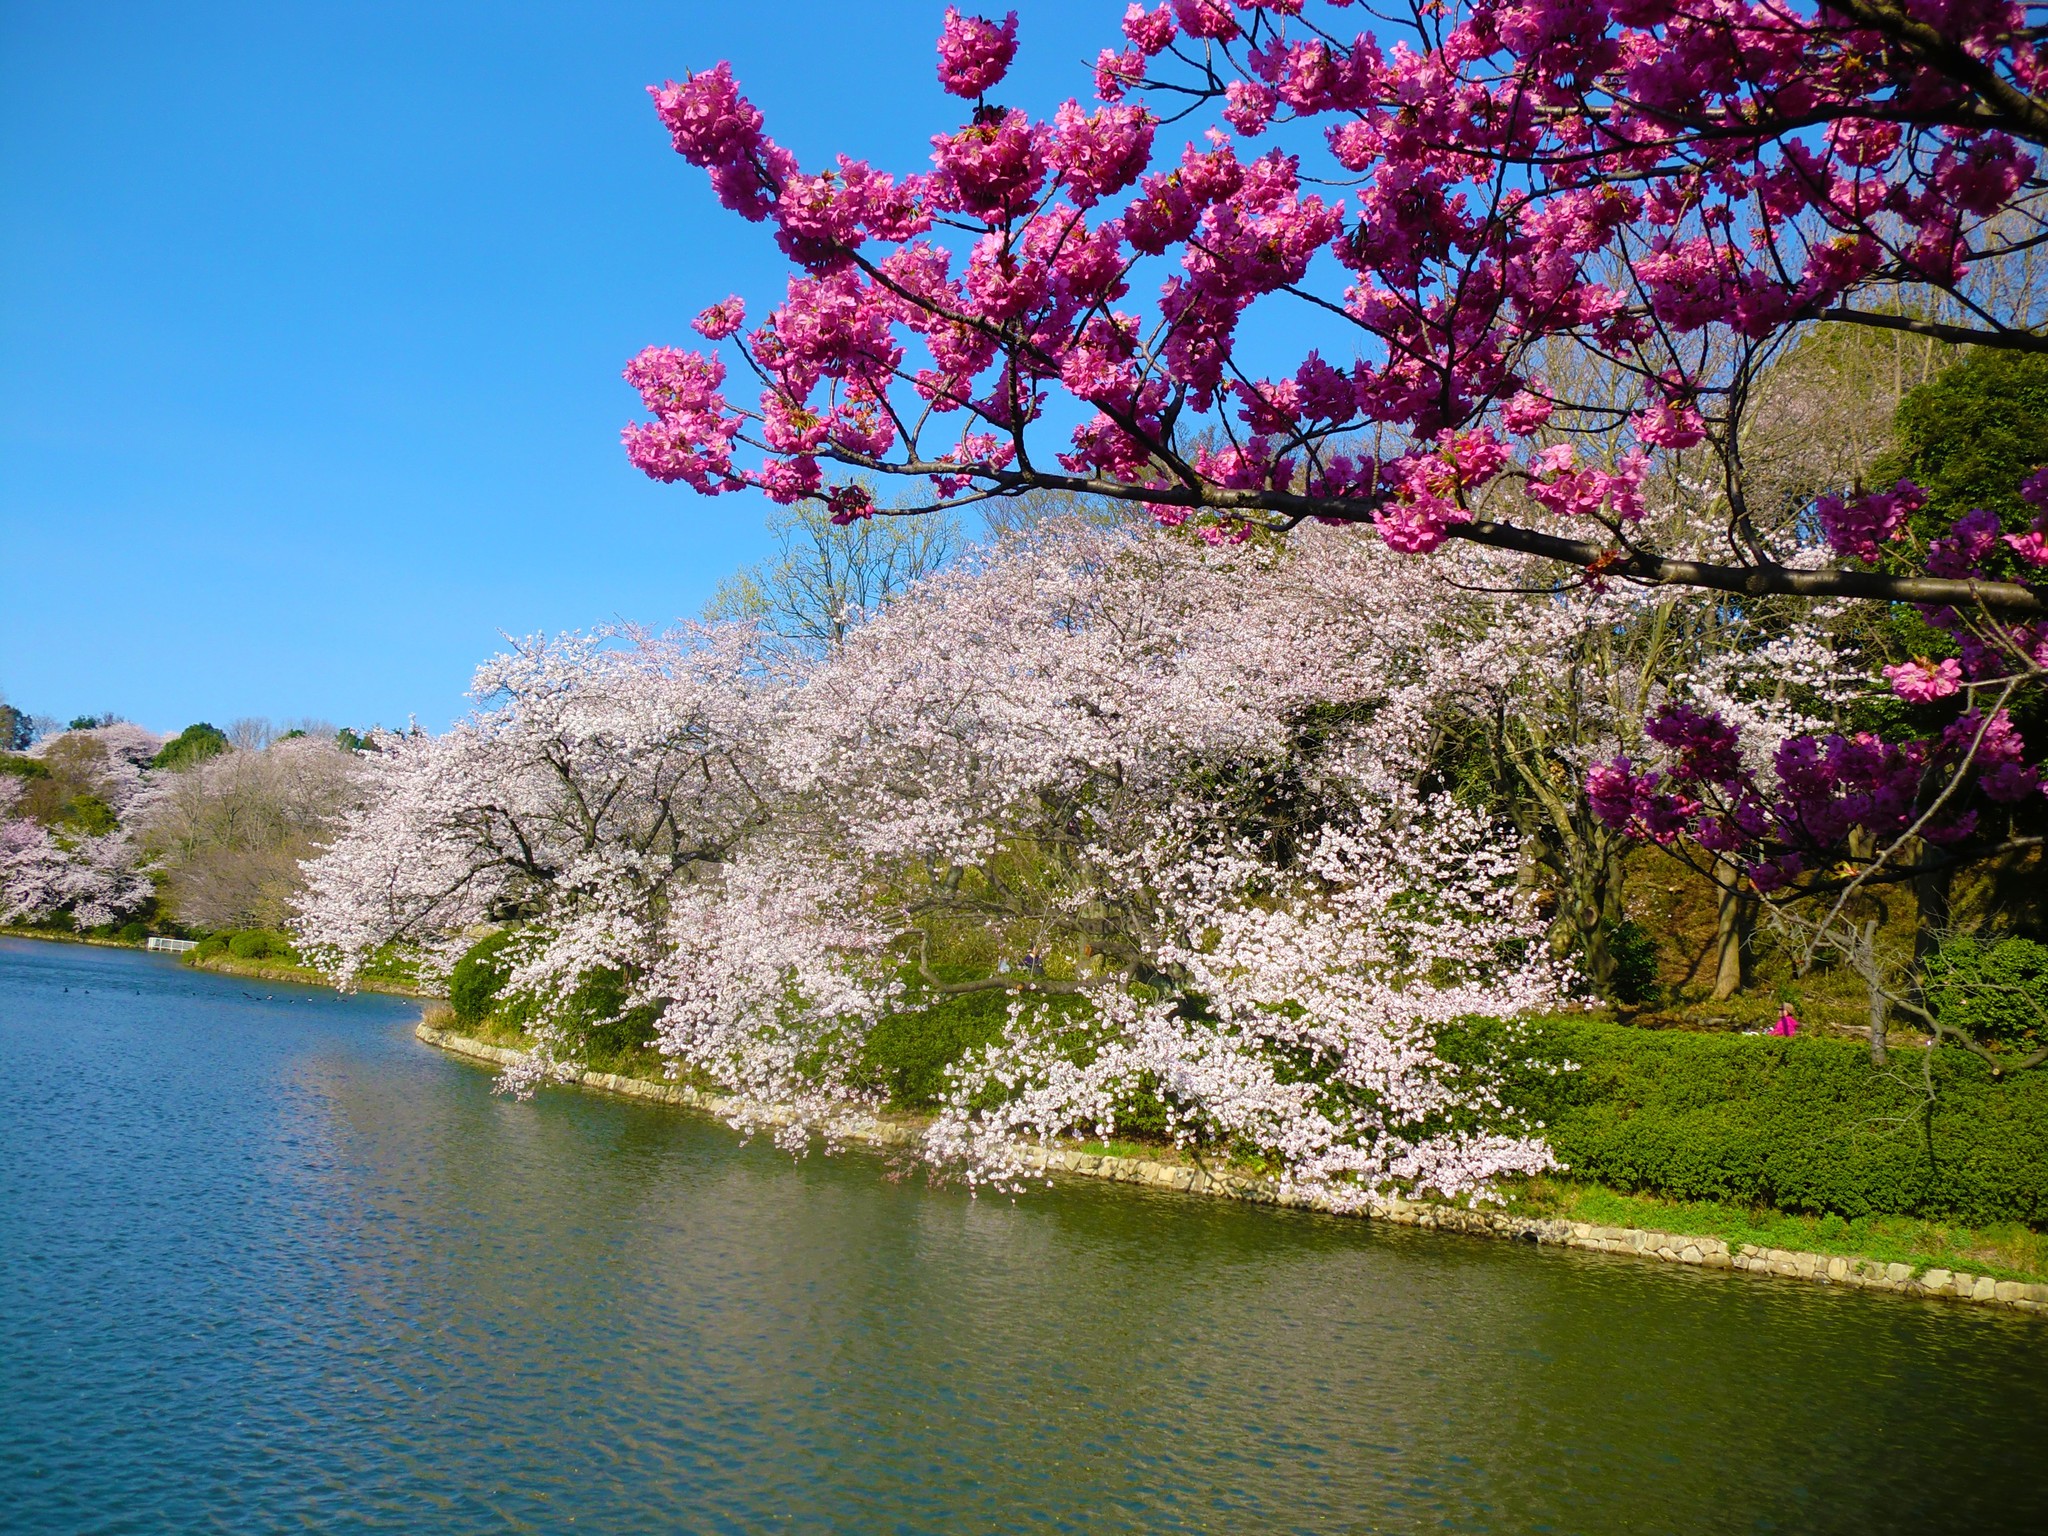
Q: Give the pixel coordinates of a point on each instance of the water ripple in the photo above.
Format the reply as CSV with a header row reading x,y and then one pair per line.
x,y
266,1264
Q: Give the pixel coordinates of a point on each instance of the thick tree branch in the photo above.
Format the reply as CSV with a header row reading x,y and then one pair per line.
x,y
2023,115
1963,335
1757,580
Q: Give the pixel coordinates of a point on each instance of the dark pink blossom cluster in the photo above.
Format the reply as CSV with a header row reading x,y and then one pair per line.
x,y
1874,527
974,53
1861,525
1829,792
1642,178
1840,796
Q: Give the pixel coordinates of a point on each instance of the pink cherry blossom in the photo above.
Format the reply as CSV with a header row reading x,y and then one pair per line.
x,y
721,320
975,53
1151,31
1921,681
1209,19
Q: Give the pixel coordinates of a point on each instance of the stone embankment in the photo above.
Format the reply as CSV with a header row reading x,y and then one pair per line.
x,y
1668,1247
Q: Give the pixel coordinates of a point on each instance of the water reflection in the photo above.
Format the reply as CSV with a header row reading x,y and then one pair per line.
x,y
264,1261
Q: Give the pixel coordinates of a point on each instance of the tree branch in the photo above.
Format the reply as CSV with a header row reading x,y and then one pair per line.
x,y
1757,580
1964,335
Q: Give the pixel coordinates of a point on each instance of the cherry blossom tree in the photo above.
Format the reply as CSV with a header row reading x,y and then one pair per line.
x,y
66,823
1541,259
1116,763
1182,780
1675,188
45,873
1304,1025
598,773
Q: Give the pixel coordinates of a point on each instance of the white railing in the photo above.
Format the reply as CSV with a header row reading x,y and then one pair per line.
x,y
176,946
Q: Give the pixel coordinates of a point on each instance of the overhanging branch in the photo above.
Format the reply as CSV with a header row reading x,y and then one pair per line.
x,y
1962,335
1757,580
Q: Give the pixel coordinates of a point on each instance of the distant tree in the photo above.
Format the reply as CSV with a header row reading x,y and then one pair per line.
x,y
193,745
352,740
229,833
66,855
825,576
106,764
17,733
251,733
92,722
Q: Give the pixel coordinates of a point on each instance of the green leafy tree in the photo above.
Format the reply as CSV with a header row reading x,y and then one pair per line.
x,y
1970,436
17,733
193,745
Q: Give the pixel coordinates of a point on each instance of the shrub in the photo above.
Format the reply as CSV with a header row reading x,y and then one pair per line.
x,y
1802,1124
1635,964
132,933
89,814
598,1018
478,978
1995,992
595,1015
260,944
906,1054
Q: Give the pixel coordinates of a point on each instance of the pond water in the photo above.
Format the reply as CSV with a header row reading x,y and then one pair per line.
x,y
268,1263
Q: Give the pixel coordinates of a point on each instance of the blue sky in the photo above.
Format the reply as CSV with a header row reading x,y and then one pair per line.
x,y
311,320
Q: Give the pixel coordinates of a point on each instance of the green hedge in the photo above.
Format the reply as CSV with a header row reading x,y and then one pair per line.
x,y
248,944
907,1054
479,976
1803,1124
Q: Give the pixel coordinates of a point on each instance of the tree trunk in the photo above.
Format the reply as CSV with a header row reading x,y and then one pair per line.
x,y
1878,1006
1735,914
1590,879
1931,893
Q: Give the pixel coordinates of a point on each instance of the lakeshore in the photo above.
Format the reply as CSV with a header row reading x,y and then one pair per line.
x,y
227,965
1162,1172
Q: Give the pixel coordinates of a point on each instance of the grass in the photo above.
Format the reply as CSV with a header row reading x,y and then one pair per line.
x,y
2008,1251
67,936
304,975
